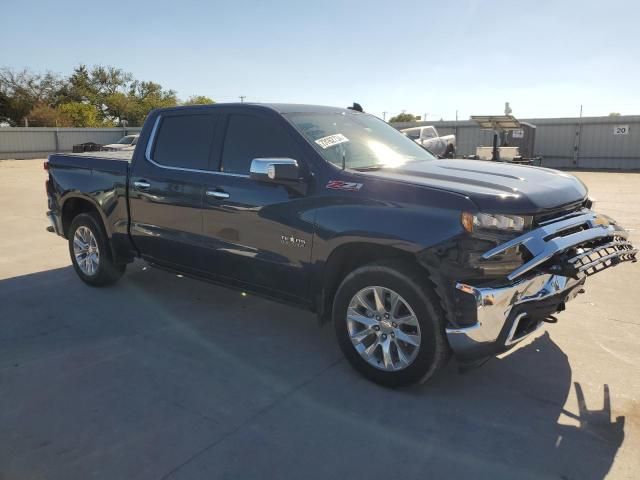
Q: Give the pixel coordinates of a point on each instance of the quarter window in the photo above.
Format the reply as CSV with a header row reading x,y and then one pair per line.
x,y
184,141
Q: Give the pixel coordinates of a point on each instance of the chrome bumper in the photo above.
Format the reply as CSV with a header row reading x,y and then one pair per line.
x,y
564,251
500,312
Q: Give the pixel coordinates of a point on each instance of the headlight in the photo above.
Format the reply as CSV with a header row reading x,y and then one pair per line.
x,y
590,203
494,221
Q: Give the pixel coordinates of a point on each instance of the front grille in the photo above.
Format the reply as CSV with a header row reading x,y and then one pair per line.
x,y
557,214
590,260
577,242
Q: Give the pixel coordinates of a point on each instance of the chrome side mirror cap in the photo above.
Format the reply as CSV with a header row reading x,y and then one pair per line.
x,y
274,170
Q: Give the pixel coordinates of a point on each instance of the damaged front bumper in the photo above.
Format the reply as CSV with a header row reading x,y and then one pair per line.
x,y
507,315
561,254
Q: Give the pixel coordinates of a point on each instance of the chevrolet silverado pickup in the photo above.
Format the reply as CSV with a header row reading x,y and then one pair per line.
x,y
412,258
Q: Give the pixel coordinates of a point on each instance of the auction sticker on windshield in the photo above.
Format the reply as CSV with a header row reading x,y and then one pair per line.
x,y
331,140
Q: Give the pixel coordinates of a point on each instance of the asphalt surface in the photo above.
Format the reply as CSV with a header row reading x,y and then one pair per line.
x,y
162,377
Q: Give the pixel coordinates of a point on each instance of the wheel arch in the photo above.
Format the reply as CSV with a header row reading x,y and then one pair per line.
x,y
74,205
349,256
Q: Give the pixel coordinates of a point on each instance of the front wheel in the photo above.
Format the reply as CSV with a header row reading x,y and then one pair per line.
x,y
90,252
389,324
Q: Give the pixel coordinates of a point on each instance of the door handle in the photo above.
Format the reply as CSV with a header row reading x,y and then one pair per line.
x,y
141,184
217,194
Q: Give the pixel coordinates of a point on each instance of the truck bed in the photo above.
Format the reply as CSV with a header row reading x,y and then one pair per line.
x,y
112,162
118,155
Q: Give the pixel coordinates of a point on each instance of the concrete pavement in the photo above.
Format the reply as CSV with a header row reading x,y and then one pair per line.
x,y
167,377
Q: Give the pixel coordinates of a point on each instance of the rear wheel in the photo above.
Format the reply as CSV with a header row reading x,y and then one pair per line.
x,y
389,324
90,253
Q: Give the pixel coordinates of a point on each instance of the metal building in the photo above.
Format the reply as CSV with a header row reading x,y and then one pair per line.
x,y
589,142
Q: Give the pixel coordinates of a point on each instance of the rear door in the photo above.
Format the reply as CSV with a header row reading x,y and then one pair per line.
x,y
167,187
257,233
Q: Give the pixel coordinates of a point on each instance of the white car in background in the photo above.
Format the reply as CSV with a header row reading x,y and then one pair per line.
x,y
428,137
128,142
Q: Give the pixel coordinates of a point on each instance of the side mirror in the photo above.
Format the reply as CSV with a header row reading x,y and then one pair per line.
x,y
274,170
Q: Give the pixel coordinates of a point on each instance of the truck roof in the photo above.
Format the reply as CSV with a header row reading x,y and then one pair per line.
x,y
278,107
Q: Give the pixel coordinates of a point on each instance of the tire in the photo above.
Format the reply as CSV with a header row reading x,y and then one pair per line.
x,y
102,270
412,287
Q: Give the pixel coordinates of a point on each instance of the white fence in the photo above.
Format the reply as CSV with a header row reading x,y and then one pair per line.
x,y
32,142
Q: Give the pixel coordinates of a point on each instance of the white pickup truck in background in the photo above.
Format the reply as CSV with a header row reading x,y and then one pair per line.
x,y
126,143
428,137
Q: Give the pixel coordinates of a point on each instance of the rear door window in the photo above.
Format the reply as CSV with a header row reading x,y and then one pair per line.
x,y
252,136
184,141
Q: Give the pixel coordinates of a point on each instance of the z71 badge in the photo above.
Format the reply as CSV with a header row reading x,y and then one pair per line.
x,y
347,186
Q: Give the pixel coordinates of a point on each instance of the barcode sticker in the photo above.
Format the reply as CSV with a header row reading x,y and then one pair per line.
x,y
331,140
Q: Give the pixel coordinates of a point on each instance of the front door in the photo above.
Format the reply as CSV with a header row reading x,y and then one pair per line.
x,y
257,233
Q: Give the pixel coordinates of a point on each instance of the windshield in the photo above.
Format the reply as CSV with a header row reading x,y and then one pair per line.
x,y
126,140
361,141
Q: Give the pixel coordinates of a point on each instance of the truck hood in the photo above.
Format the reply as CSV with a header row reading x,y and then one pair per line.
x,y
492,186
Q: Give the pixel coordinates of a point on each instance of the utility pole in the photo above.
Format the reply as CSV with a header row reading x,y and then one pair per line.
x,y
456,127
384,116
576,142
242,97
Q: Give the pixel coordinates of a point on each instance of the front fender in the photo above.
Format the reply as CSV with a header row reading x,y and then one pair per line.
x,y
397,228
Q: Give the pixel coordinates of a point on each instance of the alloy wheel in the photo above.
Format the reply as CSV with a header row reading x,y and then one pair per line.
x,y
383,328
86,251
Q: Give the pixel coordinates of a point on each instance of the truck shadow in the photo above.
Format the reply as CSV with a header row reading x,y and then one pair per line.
x,y
157,339
521,398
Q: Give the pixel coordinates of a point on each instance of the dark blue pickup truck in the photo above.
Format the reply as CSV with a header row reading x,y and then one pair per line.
x,y
412,258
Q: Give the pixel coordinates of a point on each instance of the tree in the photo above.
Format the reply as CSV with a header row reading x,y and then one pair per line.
x,y
118,107
614,114
146,96
21,91
80,114
199,100
14,109
116,94
95,96
43,115
403,117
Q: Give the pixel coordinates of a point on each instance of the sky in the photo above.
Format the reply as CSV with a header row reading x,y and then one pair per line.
x,y
544,57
